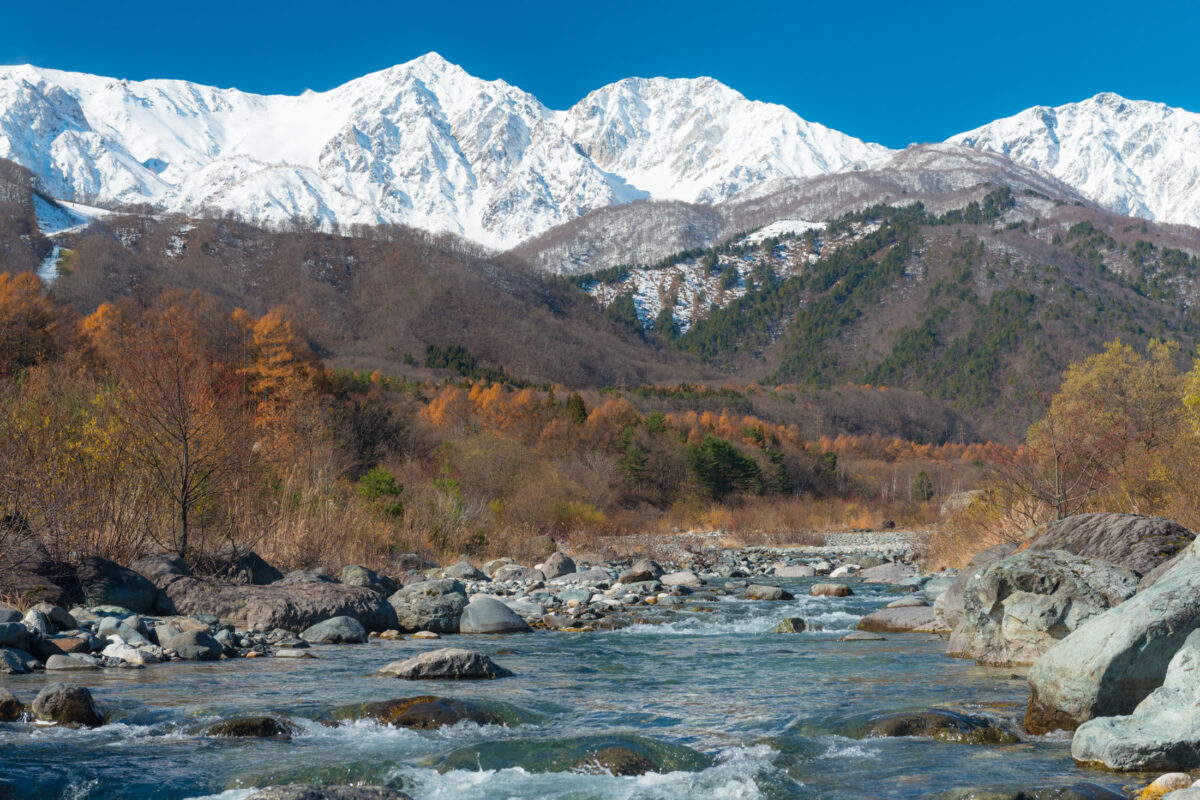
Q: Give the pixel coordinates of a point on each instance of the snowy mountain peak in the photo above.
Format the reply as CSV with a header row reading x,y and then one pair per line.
x,y
422,143
1134,157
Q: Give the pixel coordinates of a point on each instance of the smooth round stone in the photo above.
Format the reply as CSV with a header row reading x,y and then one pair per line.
x,y
289,652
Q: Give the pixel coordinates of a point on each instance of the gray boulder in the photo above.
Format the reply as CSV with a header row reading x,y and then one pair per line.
x,y
490,567
935,587
105,583
590,577
155,567
355,575
1114,660
516,572
464,572
14,661
336,630
14,634
447,663
305,576
891,574
557,565
9,615
67,705
488,615
111,626
903,619
1128,540
1162,733
686,578
756,591
291,607
244,567
58,616
1019,607
950,604
429,606
11,708
193,645
59,662
795,571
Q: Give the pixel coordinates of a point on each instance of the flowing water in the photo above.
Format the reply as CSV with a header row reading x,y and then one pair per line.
x,y
728,709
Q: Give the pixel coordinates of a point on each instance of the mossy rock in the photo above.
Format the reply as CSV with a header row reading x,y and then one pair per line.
x,y
427,712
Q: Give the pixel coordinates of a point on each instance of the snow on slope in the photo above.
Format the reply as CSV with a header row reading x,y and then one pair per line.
x,y
700,141
423,143
1131,156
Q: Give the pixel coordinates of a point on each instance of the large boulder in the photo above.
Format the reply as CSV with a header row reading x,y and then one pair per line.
x,y
155,568
106,583
464,571
336,630
902,619
291,607
1128,540
1021,606
950,604
11,708
192,645
430,606
239,566
488,615
447,663
1114,660
355,575
1162,733
557,565
67,705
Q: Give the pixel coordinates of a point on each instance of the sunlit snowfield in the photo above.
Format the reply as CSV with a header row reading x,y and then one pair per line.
x,y
732,710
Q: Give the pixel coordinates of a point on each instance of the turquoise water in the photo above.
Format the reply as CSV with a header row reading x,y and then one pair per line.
x,y
732,711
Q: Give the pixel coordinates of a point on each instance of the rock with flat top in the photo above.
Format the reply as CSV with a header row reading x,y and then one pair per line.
x,y
447,663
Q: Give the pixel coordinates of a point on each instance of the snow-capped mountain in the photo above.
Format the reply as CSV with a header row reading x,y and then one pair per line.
x,y
700,141
1132,156
423,143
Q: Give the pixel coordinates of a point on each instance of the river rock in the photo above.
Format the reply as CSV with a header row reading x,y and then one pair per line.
x,y
464,572
107,583
1114,660
906,619
591,577
1070,791
490,567
557,565
356,575
154,568
907,602
291,607
845,571
14,634
252,728
830,590
335,630
946,726
239,566
795,571
1019,607
1162,733
430,606
937,586
684,578
448,663
111,626
1128,540
67,705
488,615
9,615
949,605
427,712
328,793
60,662
304,576
14,661
196,645
516,572
756,591
891,573
11,708
790,625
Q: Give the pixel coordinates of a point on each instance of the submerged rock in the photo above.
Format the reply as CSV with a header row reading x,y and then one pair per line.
x,y
328,793
67,705
791,625
252,728
946,726
1019,607
1070,791
615,755
427,712
450,663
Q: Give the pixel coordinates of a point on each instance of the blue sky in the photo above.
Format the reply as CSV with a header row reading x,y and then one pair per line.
x,y
891,72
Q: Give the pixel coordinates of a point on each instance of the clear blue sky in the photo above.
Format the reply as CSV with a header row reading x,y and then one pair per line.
x,y
891,72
